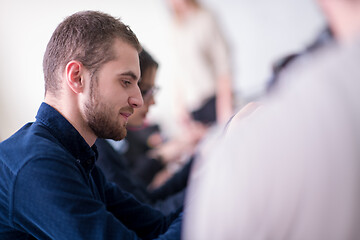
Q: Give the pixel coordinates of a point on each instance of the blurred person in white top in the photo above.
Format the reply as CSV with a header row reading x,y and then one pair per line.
x,y
204,63
291,170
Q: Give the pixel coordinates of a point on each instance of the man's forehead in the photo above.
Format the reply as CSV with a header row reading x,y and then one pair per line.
x,y
127,58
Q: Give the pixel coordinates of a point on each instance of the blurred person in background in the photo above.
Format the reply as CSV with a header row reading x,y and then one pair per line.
x,y
202,81
128,168
141,136
203,84
291,170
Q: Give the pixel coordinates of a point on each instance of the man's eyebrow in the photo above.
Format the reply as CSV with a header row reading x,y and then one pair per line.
x,y
130,74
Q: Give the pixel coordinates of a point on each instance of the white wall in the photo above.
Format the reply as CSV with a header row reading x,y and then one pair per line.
x,y
258,30
262,31
25,28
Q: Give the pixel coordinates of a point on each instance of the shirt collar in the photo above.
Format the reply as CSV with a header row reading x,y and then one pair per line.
x,y
67,135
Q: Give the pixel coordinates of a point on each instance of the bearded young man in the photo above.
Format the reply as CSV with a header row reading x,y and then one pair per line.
x,y
50,187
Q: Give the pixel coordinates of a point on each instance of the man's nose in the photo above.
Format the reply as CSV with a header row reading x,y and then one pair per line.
x,y
136,100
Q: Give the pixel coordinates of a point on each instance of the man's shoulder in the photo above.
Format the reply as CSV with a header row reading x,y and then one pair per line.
x,y
33,141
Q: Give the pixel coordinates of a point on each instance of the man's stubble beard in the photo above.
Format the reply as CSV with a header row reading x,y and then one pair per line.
x,y
100,118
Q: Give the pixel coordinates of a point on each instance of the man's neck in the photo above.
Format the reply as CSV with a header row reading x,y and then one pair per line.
x,y
70,111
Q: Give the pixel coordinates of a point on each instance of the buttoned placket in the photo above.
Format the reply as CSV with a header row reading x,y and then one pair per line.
x,y
86,166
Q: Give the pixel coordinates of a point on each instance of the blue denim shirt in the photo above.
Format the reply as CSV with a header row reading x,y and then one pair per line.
x,y
50,188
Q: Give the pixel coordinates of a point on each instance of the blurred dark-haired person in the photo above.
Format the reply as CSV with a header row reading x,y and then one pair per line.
x,y
119,164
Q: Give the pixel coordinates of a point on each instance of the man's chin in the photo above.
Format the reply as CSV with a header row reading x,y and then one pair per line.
x,y
114,135
118,138
121,135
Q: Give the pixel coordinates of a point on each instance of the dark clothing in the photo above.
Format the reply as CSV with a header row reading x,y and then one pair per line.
x,y
136,154
115,169
113,165
206,114
176,183
143,167
50,188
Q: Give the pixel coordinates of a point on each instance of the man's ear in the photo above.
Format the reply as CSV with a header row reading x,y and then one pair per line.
x,y
74,73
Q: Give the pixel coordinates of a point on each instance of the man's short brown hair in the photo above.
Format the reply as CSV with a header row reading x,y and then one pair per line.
x,y
87,37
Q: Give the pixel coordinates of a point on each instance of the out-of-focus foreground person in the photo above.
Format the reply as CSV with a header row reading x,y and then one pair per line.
x,y
50,187
291,170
